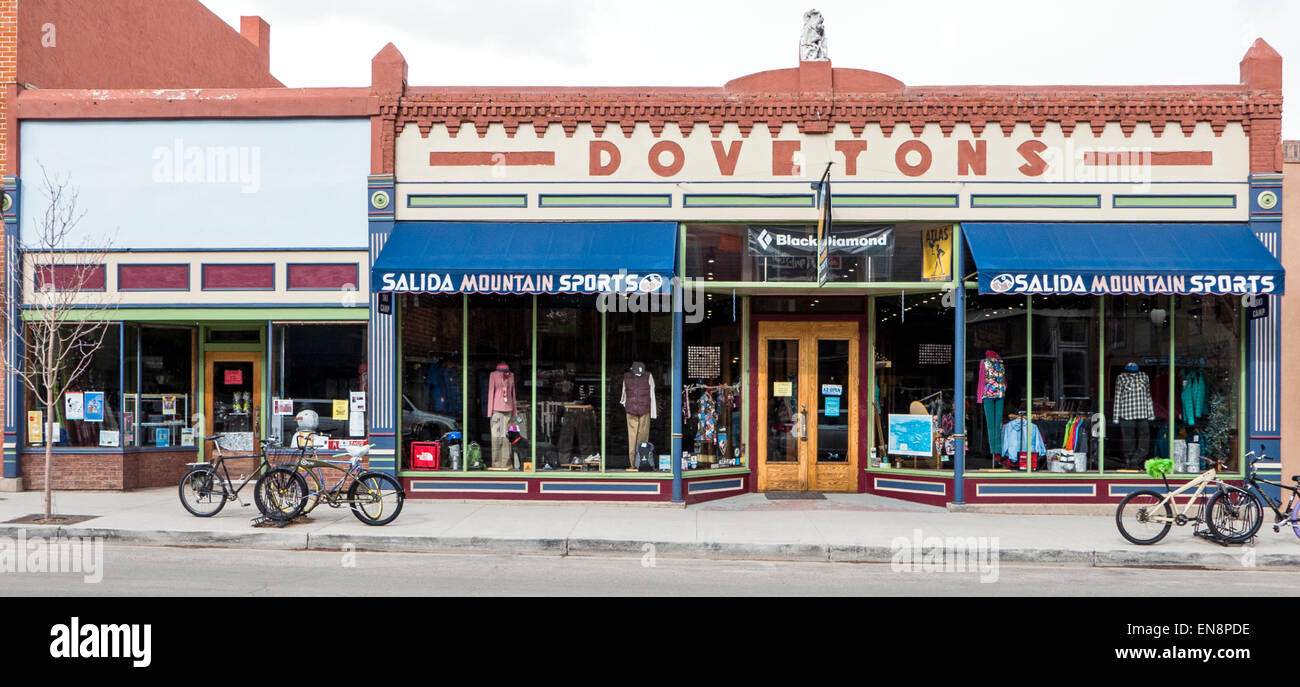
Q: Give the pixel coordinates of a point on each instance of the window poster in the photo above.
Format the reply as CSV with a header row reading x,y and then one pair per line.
x,y
783,389
911,435
357,425
34,420
74,405
187,437
169,404
94,406
109,439
162,437
282,406
340,410
358,400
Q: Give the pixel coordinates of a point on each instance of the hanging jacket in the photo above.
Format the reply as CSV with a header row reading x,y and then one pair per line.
x,y
1013,434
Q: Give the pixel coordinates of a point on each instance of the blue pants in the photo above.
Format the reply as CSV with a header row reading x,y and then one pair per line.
x,y
993,424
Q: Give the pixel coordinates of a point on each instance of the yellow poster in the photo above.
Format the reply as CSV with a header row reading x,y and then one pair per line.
x,y
340,410
34,418
937,251
783,389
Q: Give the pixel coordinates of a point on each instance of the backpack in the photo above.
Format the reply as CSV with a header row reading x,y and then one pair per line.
x,y
474,457
645,457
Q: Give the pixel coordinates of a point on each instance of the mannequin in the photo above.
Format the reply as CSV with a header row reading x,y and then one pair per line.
x,y
991,392
1134,409
501,408
638,400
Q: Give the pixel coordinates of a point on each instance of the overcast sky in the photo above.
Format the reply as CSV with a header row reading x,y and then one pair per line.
x,y
708,42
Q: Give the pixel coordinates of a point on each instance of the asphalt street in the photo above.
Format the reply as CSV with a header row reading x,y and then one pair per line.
x,y
160,571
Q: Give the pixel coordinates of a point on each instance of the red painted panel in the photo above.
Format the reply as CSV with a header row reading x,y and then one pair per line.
x,y
323,275
543,158
238,277
65,277
153,277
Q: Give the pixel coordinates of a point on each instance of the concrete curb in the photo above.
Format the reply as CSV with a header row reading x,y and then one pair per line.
x,y
1227,559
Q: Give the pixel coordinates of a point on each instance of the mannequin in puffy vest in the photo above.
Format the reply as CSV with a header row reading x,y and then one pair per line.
x,y
638,400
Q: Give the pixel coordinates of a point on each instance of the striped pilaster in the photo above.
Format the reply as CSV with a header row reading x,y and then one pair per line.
x,y
15,418
380,196
1263,336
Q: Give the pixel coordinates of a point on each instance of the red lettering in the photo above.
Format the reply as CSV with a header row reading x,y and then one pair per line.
x,y
598,168
972,158
900,158
727,158
1032,151
783,162
851,150
656,154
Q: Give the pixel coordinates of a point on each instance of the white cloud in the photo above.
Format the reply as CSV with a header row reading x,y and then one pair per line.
x,y
694,43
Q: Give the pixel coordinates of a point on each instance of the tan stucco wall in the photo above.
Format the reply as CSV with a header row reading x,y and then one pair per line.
x,y
1291,322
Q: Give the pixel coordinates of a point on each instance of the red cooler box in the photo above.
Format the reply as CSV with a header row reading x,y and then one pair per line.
x,y
425,455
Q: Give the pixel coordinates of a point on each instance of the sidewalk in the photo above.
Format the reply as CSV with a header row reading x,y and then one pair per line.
x,y
843,528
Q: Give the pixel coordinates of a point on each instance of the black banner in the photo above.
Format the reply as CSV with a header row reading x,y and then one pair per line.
x,y
867,241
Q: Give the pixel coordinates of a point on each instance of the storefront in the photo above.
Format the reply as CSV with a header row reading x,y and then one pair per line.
x,y
231,290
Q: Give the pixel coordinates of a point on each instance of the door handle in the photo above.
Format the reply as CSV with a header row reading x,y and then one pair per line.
x,y
803,422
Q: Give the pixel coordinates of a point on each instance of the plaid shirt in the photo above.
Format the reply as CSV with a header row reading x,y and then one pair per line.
x,y
1133,397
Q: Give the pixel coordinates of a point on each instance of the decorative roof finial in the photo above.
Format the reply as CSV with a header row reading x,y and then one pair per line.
x,y
812,46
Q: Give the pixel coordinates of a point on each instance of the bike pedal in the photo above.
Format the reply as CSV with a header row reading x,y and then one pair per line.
x,y
1276,529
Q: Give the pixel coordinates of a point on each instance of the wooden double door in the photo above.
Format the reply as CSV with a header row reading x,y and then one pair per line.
x,y
808,406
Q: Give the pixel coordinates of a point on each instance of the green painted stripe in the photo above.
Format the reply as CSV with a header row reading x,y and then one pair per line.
x,y
754,201
607,201
1175,202
895,201
448,201
1035,201
193,315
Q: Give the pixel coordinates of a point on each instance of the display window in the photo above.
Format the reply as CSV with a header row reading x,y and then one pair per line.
x,y
1064,387
164,413
1136,371
913,382
638,378
432,398
319,367
89,414
859,253
1205,422
714,404
499,379
997,382
560,384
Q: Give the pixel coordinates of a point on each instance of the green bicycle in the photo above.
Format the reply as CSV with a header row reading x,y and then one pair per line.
x,y
374,497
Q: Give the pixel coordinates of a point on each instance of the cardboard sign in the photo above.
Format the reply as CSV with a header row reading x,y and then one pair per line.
x,y
282,406
783,389
109,439
34,433
234,377
340,410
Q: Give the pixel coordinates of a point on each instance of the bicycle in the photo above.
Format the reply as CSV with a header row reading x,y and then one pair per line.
x,y
206,487
375,498
1147,511
1240,514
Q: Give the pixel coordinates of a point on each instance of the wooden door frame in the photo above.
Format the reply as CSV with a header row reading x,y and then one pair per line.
x,y
807,333
210,358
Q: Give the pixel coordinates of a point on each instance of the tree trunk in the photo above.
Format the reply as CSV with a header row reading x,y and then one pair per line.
x,y
49,440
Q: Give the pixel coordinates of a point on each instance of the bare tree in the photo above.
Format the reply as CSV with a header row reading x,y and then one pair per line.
x,y
64,320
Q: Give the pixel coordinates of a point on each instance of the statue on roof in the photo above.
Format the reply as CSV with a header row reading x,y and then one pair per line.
x,y
812,45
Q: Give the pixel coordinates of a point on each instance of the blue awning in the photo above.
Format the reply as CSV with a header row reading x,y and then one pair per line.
x,y
526,257
1129,258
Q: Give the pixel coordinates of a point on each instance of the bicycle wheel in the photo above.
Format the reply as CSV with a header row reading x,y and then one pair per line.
x,y
376,498
280,494
202,492
1295,519
1234,515
314,489
1133,517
